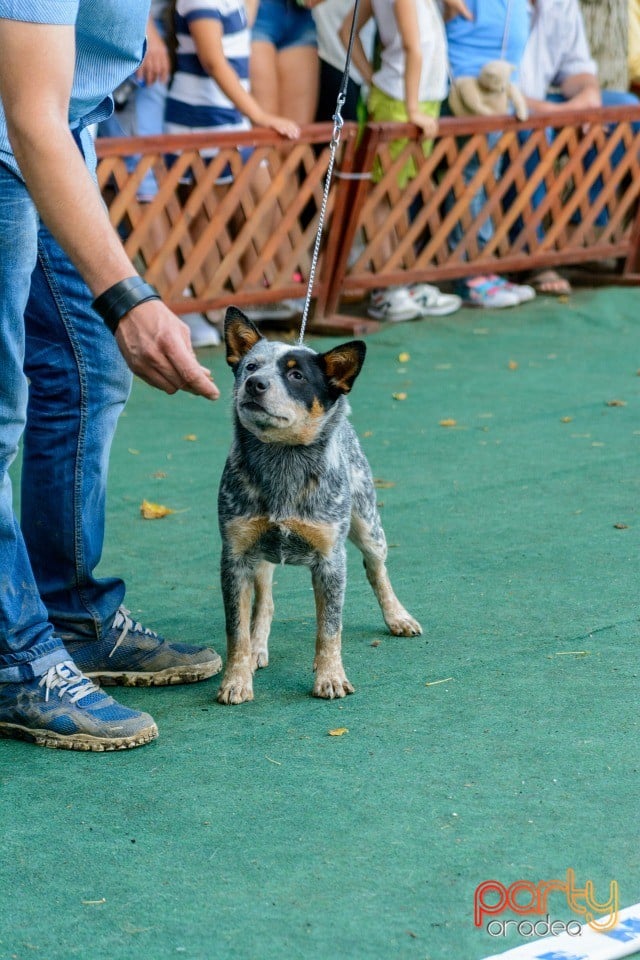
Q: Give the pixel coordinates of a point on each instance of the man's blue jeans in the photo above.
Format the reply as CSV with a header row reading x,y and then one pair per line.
x,y
63,384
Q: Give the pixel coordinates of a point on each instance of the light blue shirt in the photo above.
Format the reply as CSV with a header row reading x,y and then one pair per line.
x,y
498,31
109,47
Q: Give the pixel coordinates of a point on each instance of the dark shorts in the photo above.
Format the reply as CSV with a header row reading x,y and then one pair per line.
x,y
284,23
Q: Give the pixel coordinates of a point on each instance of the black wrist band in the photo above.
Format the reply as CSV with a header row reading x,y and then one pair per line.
x,y
122,297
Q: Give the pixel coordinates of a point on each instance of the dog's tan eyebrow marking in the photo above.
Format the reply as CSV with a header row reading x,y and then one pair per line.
x,y
292,363
244,532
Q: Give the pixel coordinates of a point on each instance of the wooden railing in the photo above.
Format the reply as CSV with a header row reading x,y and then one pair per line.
x,y
554,199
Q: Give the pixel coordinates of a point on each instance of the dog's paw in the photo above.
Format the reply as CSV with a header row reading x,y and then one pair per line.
x,y
235,688
330,686
259,659
402,624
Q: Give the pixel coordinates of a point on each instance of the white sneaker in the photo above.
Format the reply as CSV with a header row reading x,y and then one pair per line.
x,y
432,302
490,291
203,333
394,304
523,291
271,311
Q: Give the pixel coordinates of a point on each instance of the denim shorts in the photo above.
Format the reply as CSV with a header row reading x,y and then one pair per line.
x,y
284,23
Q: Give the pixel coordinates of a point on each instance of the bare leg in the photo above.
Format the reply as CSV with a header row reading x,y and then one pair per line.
x,y
298,78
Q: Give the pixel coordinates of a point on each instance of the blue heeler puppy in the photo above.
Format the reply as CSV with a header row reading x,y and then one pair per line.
x,y
296,484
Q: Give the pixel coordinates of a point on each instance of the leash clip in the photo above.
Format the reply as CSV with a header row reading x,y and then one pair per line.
x,y
338,121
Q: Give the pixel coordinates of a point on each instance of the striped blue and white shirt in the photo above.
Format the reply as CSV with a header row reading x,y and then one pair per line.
x,y
109,47
195,102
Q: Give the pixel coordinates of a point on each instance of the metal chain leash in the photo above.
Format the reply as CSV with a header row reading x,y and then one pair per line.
x,y
338,124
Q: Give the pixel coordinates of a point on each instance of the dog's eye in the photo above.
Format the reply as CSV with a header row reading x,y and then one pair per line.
x,y
251,366
295,375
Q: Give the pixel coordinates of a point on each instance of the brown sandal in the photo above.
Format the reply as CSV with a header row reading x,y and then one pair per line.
x,y
550,282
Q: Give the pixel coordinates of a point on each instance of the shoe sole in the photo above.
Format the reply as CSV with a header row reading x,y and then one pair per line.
x,y
79,741
439,311
492,306
399,318
157,678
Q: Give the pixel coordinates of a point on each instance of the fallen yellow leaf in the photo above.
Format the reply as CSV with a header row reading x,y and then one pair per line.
x,y
448,423
154,511
190,436
338,732
566,419
513,364
399,396
404,357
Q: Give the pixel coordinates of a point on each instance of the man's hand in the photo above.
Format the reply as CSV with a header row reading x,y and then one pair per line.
x,y
157,347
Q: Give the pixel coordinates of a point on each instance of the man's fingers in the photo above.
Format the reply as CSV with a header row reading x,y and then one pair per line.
x,y
157,347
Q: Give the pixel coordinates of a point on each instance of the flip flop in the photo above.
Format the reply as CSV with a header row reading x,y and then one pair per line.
x,y
551,283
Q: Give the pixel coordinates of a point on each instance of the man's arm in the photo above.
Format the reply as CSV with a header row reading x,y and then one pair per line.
x,y
581,91
36,74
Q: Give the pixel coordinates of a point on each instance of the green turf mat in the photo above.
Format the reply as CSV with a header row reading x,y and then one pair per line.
x,y
502,744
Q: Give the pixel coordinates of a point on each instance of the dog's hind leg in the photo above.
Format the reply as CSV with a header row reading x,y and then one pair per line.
x,y
367,534
262,615
329,578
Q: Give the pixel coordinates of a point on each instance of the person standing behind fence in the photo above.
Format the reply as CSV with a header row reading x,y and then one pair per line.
x,y
139,101
328,17
139,112
210,90
497,30
409,86
558,72
284,59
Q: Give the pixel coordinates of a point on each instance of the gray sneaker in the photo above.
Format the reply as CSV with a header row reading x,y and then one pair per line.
x,y
134,656
64,709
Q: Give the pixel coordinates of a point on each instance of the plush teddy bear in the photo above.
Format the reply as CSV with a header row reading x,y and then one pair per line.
x,y
488,94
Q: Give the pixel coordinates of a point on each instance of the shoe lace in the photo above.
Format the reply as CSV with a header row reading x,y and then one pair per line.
x,y
124,622
66,680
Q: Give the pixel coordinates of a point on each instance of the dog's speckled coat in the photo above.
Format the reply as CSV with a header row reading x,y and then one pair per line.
x,y
296,484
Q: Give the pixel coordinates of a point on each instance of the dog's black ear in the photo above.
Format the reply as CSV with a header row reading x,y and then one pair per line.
x,y
343,364
240,335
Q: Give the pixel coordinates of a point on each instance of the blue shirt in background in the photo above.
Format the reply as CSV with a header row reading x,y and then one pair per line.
x,y
499,31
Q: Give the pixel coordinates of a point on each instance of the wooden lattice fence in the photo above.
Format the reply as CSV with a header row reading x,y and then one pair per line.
x,y
240,227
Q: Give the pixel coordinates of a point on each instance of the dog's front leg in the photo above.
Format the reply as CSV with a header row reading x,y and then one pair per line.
x,y
237,589
329,580
262,615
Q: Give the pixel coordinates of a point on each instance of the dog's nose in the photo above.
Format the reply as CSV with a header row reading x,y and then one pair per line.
x,y
255,385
